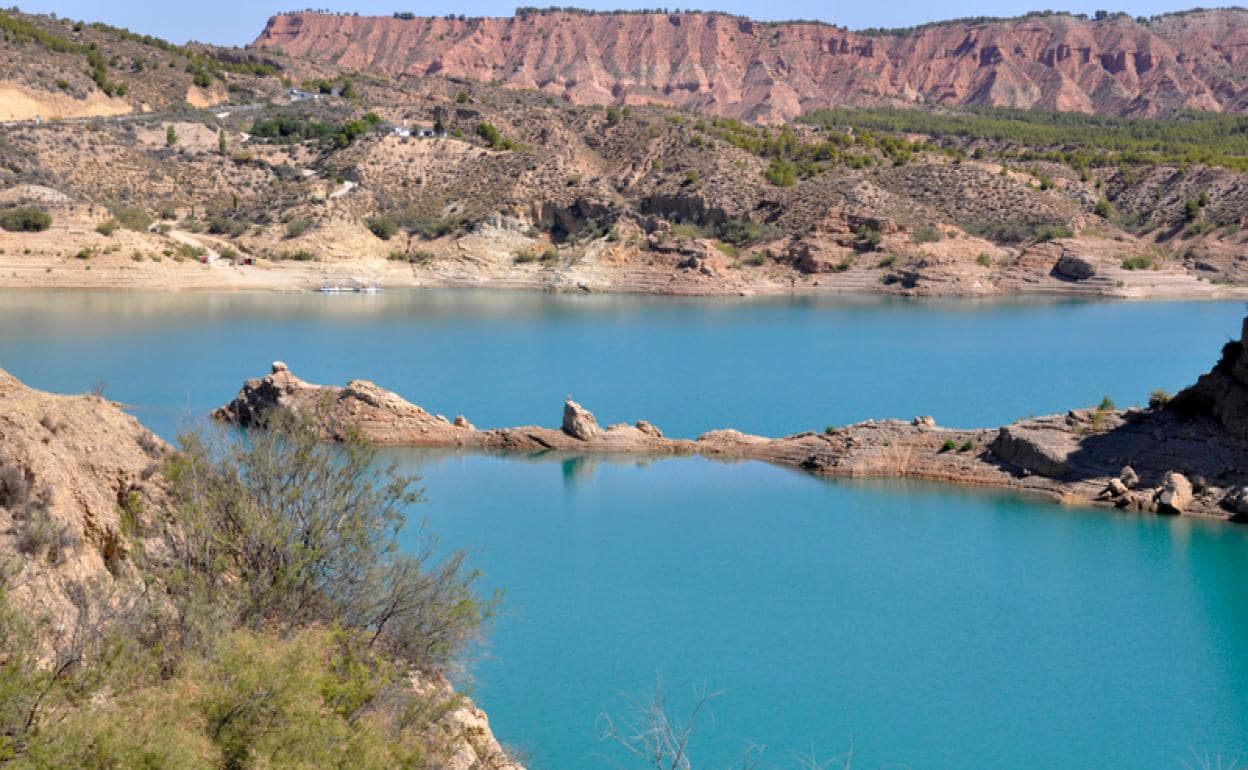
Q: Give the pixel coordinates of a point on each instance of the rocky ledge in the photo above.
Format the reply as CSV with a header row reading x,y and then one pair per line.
x,y
1186,456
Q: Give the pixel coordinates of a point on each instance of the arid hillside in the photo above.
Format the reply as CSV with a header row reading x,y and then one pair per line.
x,y
305,174
772,72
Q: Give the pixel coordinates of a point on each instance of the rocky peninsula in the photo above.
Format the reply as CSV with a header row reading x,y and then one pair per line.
x,y
1185,455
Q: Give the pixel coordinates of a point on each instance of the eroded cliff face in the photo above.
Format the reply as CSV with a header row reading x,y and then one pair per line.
x,y
775,71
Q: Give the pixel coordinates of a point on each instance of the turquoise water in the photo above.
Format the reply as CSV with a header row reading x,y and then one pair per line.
x,y
924,626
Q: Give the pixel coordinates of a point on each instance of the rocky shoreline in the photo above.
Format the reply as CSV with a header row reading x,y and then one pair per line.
x,y
1188,456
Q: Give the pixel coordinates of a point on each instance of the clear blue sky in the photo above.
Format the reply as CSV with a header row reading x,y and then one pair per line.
x,y
235,22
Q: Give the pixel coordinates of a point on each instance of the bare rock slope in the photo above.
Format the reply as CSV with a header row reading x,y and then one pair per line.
x,y
1188,456
774,71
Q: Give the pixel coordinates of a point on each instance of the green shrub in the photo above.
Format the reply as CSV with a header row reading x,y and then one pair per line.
x,y
461,97
888,260
781,173
1107,405
184,251
297,227
926,234
613,115
687,230
25,220
284,531
1159,399
417,256
1138,262
984,259
546,256
1053,232
1103,209
171,136
967,446
949,445
868,237
382,227
1199,227
107,228
300,255
135,219
493,138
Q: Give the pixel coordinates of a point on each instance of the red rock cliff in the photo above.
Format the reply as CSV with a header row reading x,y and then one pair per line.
x,y
774,71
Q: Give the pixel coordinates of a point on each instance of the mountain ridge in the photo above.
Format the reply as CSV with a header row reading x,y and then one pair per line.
x,y
772,72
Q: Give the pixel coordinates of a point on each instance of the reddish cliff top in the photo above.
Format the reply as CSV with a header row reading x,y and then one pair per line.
x,y
770,72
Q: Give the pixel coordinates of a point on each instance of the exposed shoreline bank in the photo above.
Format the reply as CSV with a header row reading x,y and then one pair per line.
x,y
21,274
132,261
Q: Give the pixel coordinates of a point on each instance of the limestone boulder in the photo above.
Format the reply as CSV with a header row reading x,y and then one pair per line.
x,y
1129,477
579,422
1175,495
1039,449
648,428
1075,267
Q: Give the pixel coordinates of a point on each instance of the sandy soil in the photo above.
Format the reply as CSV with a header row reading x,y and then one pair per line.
x,y
20,103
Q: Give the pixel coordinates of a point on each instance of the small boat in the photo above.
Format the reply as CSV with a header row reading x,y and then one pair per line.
x,y
332,289
369,289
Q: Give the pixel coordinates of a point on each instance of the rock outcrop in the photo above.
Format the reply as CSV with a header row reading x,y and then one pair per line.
x,y
79,485
772,72
1042,447
1170,459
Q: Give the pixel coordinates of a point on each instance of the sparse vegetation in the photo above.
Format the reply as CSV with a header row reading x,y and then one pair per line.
x,y
546,256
